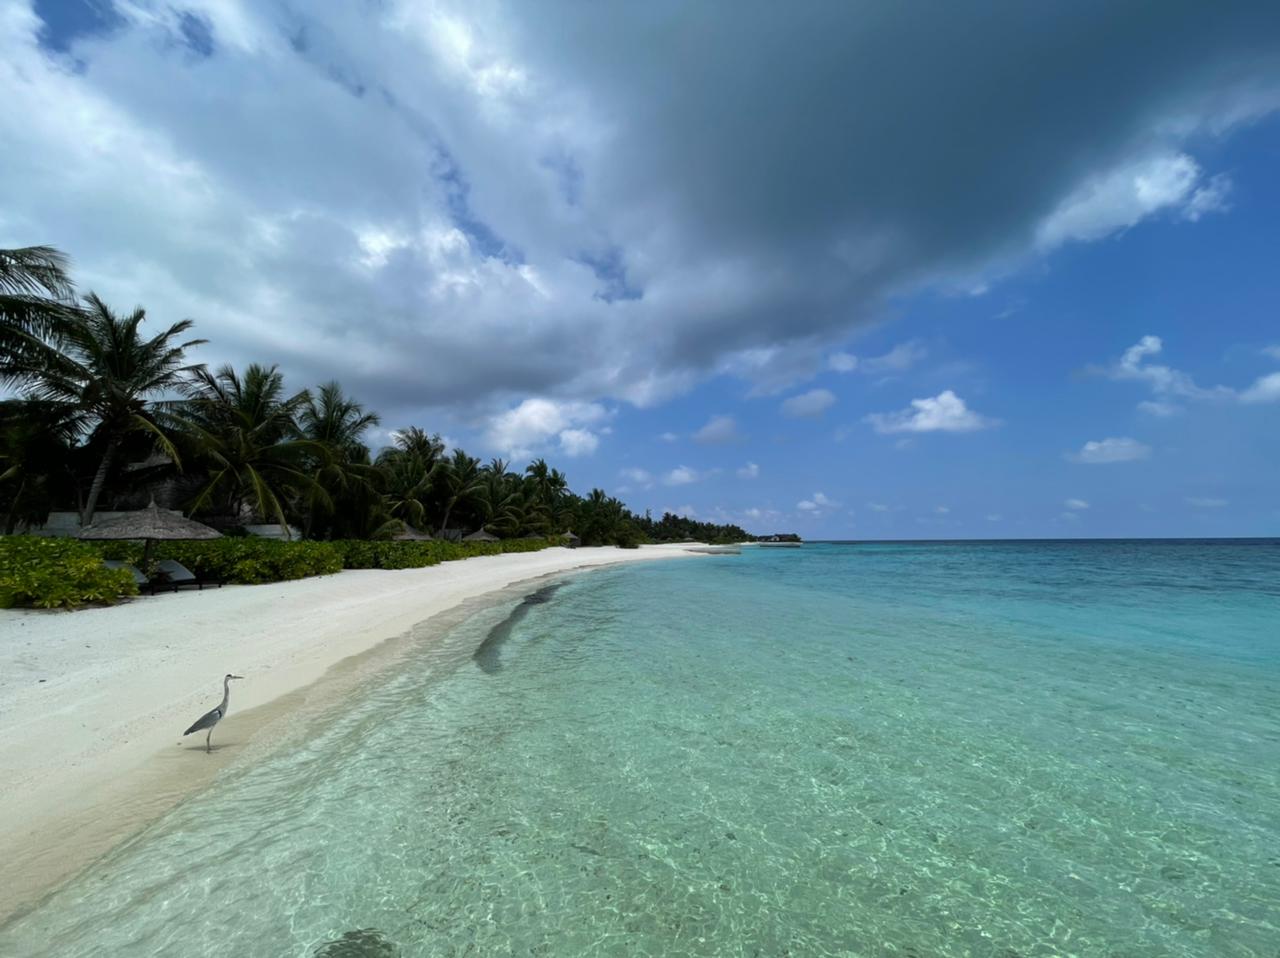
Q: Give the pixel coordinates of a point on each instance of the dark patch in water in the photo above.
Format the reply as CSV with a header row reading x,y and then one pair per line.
x,y
361,943
488,655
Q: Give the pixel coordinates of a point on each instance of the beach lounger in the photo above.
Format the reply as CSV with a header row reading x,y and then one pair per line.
x,y
175,575
143,582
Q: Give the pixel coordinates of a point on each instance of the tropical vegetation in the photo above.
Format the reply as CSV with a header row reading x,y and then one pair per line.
x,y
101,414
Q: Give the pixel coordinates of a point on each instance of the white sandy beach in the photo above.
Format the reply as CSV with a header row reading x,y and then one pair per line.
x,y
93,703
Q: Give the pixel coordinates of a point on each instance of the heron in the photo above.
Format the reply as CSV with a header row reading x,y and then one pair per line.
x,y
214,715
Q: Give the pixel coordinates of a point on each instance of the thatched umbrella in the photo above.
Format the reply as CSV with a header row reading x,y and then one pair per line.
x,y
410,534
480,535
149,524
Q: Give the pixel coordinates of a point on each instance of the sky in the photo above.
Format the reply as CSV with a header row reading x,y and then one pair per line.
x,y
906,270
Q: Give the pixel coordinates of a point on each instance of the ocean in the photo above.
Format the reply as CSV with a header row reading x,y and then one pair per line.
x,y
917,750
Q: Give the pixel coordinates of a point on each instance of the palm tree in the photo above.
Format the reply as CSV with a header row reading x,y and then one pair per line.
x,y
35,452
406,469
336,423
109,374
415,441
36,303
247,431
460,481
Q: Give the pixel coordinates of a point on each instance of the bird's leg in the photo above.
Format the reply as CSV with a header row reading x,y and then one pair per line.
x,y
207,746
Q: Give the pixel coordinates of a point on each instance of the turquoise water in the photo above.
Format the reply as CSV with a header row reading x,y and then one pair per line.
x,y
925,750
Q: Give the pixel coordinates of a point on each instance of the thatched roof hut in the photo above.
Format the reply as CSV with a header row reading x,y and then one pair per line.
x,y
571,540
480,535
149,524
410,534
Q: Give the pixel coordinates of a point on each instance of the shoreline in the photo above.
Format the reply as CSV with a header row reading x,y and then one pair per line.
x,y
93,703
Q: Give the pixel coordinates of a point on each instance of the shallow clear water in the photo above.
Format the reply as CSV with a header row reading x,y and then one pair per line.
x,y
1008,749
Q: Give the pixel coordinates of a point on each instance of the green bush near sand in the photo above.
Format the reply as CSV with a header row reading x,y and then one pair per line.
x,y
358,554
242,561
57,574
64,573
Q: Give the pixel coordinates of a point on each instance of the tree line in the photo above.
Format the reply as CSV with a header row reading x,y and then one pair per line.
x,y
100,414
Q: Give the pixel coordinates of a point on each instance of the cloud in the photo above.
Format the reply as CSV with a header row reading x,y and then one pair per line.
x,y
681,476
818,503
1272,351
942,510
842,362
1119,449
749,471
669,437
639,477
530,425
719,429
809,405
1076,504
1164,381
1211,197
510,235
945,412
578,442
1265,389
1168,383
897,360
1126,195
1207,503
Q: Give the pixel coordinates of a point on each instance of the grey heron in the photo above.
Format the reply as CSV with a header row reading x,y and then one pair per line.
x,y
214,715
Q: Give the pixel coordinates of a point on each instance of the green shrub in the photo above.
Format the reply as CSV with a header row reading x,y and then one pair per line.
x,y
359,554
57,574
252,561
244,561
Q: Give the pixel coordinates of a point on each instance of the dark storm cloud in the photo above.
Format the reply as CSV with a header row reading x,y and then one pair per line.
x,y
458,205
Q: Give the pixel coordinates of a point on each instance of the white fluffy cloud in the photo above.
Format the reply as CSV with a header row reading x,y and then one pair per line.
x,y
1266,389
818,503
531,425
718,429
681,476
578,442
749,471
842,362
1164,381
1124,196
1076,504
945,412
1168,384
809,405
1116,449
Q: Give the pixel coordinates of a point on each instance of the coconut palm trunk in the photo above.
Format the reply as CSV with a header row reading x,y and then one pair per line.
x,y
99,480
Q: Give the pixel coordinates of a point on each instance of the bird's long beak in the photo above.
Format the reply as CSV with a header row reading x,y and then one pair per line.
x,y
237,676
